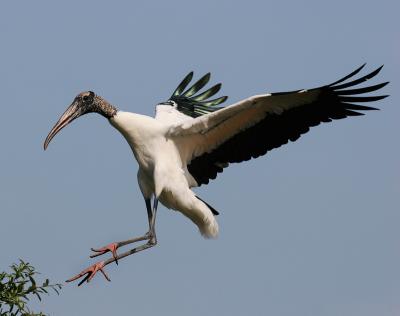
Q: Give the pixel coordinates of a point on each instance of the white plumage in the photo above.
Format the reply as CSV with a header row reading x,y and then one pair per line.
x,y
190,141
162,167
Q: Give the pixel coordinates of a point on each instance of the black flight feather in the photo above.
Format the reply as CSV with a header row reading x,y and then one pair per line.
x,y
196,105
276,130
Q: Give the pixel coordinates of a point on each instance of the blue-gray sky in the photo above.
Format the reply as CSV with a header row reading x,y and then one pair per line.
x,y
310,229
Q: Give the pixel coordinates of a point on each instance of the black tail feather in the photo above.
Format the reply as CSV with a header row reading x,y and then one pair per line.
x,y
213,210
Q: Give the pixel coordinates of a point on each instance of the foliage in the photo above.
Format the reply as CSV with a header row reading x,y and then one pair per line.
x,y
17,287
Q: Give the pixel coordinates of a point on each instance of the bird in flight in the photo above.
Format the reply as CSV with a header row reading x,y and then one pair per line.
x,y
191,139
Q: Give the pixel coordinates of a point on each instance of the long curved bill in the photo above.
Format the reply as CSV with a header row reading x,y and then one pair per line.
x,y
72,112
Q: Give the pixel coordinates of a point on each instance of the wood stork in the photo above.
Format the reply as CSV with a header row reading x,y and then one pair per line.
x,y
190,140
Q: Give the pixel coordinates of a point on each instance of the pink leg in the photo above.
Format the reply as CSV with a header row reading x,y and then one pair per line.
x,y
150,236
115,245
92,270
90,273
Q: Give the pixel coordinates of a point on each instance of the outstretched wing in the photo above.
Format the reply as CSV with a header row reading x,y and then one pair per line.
x,y
185,104
252,127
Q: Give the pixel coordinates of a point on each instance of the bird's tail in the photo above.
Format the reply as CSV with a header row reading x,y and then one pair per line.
x,y
198,211
202,214
209,227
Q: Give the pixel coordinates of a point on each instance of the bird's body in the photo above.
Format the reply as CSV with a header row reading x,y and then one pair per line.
x,y
190,140
162,171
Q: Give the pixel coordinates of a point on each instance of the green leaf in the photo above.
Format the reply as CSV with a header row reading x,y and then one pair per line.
x,y
32,281
38,296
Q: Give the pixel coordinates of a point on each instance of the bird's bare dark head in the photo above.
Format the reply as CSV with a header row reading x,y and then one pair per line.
x,y
84,102
86,98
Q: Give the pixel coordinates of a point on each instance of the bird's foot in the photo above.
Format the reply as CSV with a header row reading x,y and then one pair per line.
x,y
108,248
90,273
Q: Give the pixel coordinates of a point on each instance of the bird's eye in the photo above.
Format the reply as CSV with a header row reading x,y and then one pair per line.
x,y
86,98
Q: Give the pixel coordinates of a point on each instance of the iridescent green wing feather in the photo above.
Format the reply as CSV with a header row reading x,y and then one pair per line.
x,y
196,105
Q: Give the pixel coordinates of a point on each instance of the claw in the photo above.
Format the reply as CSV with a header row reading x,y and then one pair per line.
x,y
109,248
90,273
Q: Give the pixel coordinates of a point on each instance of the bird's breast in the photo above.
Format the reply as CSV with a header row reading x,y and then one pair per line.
x,y
146,137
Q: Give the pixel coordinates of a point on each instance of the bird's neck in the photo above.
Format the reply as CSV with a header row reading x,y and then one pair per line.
x,y
105,108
